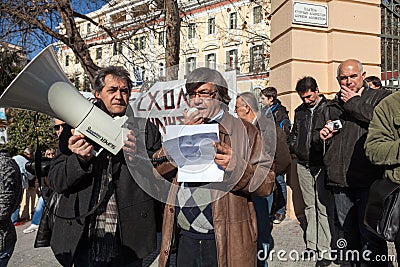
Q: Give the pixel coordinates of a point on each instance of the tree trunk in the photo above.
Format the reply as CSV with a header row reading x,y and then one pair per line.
x,y
75,41
173,25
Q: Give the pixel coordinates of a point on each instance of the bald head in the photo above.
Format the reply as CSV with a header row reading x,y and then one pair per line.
x,y
246,106
350,74
350,62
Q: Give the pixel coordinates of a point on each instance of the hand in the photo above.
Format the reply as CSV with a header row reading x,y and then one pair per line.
x,y
193,118
327,132
130,145
346,94
78,145
223,156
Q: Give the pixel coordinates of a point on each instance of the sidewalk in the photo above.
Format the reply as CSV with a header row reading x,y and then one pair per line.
x,y
287,245
287,237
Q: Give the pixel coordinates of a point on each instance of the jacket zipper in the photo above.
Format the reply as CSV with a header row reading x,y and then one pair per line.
x,y
309,132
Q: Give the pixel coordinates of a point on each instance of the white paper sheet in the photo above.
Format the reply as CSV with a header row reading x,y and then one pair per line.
x,y
191,148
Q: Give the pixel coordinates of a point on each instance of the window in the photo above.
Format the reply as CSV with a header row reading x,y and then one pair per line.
x,y
119,17
136,73
139,43
231,59
99,53
210,61
66,60
142,42
143,73
257,58
161,70
257,14
233,20
190,65
161,38
117,48
136,43
76,83
191,30
86,84
88,28
211,26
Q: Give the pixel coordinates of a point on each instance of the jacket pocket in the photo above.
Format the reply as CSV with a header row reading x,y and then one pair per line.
x,y
253,230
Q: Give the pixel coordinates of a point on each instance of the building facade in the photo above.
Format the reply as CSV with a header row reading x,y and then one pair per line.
x,y
226,35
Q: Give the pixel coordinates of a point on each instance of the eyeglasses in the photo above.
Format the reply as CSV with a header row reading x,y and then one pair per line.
x,y
201,94
236,107
58,127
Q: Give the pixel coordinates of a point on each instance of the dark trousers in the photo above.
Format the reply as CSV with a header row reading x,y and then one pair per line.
x,y
123,259
350,207
397,246
280,198
196,252
5,256
263,206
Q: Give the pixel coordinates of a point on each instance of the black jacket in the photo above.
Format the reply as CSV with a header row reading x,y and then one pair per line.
x,y
281,116
300,138
10,198
136,218
345,159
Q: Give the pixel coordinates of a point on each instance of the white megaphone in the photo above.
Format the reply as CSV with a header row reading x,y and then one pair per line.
x,y
42,86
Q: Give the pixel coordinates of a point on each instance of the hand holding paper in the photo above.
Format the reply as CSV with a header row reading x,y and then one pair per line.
x,y
193,150
223,155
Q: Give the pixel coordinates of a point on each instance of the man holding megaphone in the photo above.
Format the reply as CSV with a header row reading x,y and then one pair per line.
x,y
104,217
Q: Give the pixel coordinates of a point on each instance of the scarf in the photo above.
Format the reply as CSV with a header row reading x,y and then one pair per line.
x,y
103,224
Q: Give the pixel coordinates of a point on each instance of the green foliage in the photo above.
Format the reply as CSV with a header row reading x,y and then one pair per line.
x,y
21,131
10,64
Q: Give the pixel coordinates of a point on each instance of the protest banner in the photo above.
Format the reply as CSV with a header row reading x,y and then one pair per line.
x,y
164,102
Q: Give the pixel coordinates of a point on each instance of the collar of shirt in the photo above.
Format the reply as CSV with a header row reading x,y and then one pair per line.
x,y
217,118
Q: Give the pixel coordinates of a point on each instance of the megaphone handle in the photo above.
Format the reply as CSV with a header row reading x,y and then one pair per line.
x,y
93,152
96,153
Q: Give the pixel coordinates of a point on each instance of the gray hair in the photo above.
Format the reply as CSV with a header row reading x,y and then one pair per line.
x,y
250,99
116,71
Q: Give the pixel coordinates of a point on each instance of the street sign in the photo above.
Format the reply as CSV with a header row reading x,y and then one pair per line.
x,y
310,14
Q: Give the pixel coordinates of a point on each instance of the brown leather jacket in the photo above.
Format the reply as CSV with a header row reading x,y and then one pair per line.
x,y
275,142
234,217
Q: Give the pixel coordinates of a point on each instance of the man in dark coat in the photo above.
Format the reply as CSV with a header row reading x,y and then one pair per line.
x,y
272,105
349,172
10,197
311,171
104,218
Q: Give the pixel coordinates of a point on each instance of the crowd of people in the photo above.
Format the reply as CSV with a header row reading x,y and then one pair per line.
x,y
107,217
